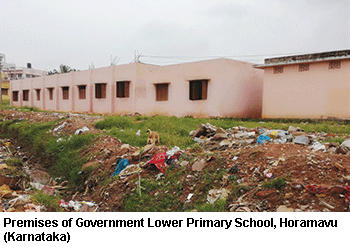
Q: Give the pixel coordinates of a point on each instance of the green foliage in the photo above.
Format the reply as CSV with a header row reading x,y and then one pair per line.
x,y
238,189
5,105
15,162
49,201
218,206
278,184
157,195
334,140
63,155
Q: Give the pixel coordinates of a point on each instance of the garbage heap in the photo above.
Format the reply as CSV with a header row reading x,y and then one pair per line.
x,y
215,138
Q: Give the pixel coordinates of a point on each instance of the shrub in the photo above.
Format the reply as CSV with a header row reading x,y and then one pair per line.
x,y
278,184
49,201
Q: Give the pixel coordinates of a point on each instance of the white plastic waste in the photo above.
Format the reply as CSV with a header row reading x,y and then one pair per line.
x,y
83,129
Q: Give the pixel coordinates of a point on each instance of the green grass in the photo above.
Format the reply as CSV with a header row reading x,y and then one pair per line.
x,y
63,156
5,105
49,201
14,162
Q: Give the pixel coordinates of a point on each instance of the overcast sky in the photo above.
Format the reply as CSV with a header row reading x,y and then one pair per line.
x,y
84,33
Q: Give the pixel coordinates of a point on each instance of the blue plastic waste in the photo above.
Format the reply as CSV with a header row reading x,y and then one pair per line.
x,y
120,166
262,139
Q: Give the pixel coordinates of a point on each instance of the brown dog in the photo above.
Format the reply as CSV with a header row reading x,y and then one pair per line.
x,y
153,137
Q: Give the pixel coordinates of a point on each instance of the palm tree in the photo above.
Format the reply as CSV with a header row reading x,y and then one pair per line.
x,y
63,69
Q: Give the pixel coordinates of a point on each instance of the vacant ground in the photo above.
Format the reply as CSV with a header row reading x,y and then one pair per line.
x,y
234,173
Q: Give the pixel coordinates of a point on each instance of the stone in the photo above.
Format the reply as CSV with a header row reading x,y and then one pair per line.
x,y
303,140
136,155
219,136
215,194
147,148
184,163
5,191
125,146
284,209
220,130
241,135
226,142
318,146
3,166
289,195
342,150
199,165
201,131
291,129
198,140
346,144
339,167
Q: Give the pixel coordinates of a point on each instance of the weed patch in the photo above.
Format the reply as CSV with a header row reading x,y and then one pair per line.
x,y
49,201
278,184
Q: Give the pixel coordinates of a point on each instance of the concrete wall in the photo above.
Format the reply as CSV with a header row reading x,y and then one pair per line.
x,y
234,89
318,93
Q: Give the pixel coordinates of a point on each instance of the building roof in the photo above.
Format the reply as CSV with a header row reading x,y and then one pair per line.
x,y
305,58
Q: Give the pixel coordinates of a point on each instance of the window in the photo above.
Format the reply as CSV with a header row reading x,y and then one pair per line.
x,y
162,91
4,91
37,94
65,93
335,64
15,95
278,69
19,75
27,75
123,89
304,67
82,92
50,93
100,90
25,95
198,90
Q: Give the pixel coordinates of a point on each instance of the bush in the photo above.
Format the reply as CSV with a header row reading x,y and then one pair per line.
x,y
49,201
278,184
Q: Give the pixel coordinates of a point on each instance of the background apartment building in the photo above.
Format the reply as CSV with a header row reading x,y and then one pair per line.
x,y
10,72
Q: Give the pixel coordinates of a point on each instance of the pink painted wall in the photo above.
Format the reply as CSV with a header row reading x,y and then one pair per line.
x,y
318,93
234,89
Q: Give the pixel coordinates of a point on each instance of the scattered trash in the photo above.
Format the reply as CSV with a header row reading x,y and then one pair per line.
x,y
122,164
5,191
163,159
189,196
234,169
129,170
269,175
316,189
60,127
262,139
62,203
215,194
48,190
82,130
138,133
